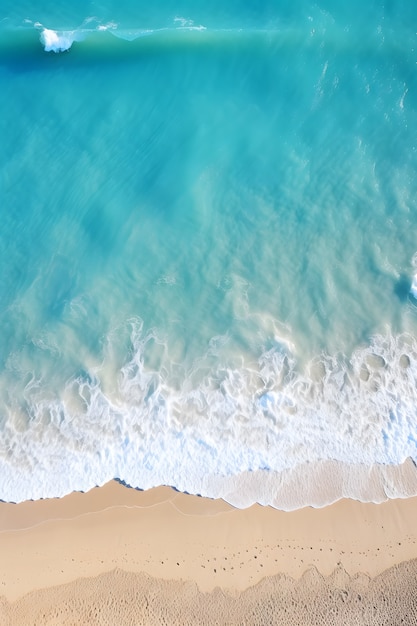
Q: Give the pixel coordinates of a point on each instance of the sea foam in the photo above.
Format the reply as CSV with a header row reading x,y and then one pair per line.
x,y
58,41
239,433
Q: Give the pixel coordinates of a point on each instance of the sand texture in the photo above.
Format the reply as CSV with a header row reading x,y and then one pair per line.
x,y
119,556
126,598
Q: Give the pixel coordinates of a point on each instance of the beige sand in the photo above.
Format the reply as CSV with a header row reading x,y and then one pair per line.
x,y
174,537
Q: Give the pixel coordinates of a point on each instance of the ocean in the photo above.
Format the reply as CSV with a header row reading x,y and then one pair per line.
x,y
208,245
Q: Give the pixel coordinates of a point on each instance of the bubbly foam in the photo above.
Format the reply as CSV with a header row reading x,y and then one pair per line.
x,y
235,433
58,41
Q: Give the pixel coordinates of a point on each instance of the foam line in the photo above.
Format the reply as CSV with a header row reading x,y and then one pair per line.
x,y
237,434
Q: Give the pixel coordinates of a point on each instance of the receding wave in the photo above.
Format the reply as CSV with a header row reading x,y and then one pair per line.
x,y
237,433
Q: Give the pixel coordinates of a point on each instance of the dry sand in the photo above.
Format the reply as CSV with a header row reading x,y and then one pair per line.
x,y
120,556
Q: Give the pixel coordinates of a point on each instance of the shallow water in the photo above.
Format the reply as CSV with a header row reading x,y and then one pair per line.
x,y
208,231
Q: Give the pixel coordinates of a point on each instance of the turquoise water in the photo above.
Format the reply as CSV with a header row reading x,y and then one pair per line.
x,y
207,242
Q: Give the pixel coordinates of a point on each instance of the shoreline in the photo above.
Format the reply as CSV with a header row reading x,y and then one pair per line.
x,y
172,536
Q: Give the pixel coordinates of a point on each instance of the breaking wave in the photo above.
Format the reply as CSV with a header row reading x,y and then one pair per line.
x,y
98,38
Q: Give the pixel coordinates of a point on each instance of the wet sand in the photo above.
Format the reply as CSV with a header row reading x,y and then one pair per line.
x,y
202,560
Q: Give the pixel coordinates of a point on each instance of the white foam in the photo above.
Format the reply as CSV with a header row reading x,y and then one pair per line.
x,y
238,433
54,41
59,41
187,24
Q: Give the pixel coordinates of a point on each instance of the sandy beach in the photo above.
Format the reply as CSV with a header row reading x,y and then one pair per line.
x,y
193,560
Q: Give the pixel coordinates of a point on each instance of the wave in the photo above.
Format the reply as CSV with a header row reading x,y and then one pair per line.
x,y
242,434
37,44
101,39
62,40
108,37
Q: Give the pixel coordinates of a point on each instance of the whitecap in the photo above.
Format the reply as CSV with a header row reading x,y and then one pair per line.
x,y
59,41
